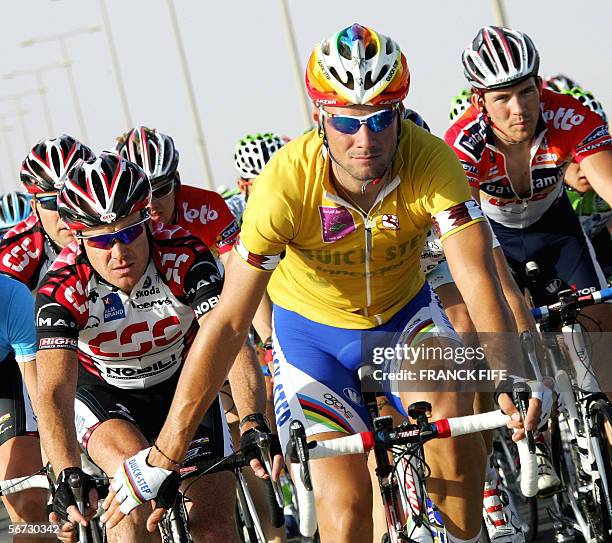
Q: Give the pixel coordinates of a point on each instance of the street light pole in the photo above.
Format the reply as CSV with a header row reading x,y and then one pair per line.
x,y
191,95
116,69
73,89
6,130
45,103
295,60
61,39
500,15
21,112
42,90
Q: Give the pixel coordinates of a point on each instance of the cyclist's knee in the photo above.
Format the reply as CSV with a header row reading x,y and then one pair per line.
x,y
220,505
342,488
27,506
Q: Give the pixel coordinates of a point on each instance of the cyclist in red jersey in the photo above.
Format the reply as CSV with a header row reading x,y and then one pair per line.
x,y
515,142
116,316
30,247
202,212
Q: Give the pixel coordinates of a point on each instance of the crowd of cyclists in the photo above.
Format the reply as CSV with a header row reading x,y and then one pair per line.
x,y
146,294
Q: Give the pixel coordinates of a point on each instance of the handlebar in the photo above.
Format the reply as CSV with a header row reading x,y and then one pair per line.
x,y
569,300
300,452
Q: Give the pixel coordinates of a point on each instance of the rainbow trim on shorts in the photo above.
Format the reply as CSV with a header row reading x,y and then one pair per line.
x,y
319,413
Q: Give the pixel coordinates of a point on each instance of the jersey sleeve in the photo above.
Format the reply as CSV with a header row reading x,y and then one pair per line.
x,y
447,196
20,326
61,307
203,284
468,146
226,229
591,138
56,327
269,220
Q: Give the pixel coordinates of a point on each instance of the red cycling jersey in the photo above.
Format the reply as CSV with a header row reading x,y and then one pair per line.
x,y
566,131
26,253
206,215
129,340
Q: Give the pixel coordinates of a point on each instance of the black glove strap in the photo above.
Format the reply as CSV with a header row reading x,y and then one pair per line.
x,y
258,418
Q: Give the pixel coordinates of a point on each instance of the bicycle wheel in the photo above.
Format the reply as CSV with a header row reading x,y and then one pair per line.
x,y
505,458
174,527
600,413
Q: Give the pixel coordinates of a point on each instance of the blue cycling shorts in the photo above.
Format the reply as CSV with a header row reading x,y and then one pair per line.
x,y
315,365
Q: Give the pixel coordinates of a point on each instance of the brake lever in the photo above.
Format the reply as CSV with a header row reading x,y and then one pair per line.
x,y
76,485
263,444
521,393
299,452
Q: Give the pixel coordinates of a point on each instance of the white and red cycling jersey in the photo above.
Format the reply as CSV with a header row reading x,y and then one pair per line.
x,y
135,340
206,215
566,131
26,253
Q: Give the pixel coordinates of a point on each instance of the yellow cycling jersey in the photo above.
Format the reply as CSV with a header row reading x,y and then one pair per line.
x,y
343,268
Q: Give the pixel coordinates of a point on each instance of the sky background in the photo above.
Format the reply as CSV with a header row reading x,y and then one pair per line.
x,y
241,69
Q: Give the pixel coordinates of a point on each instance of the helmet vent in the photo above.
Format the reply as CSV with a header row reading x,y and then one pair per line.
x,y
97,182
350,80
371,50
344,50
56,161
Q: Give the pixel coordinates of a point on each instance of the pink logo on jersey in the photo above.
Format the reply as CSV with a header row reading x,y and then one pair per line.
x,y
336,223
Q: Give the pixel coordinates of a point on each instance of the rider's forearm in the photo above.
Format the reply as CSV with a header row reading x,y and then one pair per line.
x,y
210,358
262,321
56,425
247,383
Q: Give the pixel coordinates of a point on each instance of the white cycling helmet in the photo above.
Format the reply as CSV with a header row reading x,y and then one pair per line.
x,y
153,151
499,57
254,151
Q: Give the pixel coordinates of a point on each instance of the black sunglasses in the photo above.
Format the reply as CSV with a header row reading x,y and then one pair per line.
x,y
48,202
163,191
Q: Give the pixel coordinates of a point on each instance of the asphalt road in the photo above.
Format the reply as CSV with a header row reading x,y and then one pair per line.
x,y
545,534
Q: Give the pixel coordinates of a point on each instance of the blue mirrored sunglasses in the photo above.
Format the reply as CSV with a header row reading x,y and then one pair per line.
x,y
347,124
106,241
47,202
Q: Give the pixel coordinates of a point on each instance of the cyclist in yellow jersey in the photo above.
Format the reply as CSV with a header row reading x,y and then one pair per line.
x,y
351,206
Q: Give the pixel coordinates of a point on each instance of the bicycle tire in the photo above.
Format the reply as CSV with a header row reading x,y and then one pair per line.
x,y
600,413
174,527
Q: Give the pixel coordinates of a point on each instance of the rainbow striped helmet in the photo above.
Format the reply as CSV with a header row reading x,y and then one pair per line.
x,y
357,66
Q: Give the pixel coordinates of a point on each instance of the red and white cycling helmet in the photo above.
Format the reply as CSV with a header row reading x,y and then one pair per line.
x,y
48,162
357,66
499,57
153,151
103,190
